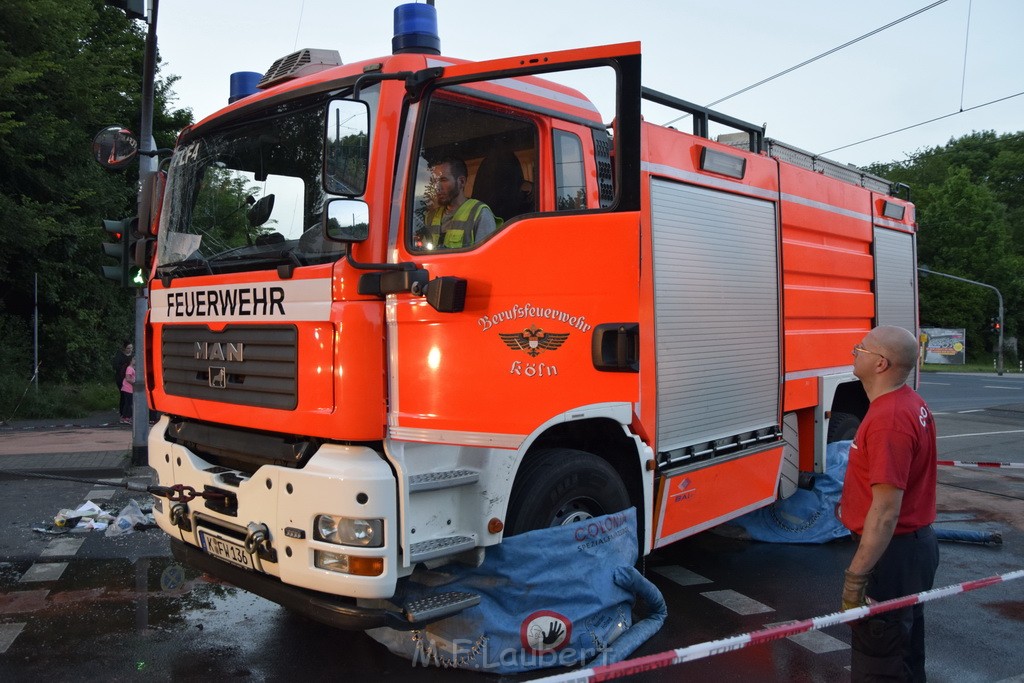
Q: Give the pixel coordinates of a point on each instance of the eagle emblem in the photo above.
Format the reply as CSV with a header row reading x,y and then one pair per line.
x,y
533,340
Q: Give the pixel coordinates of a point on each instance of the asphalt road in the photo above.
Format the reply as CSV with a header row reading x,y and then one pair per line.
x,y
120,609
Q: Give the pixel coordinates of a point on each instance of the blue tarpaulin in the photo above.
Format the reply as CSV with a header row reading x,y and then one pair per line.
x,y
808,516
553,597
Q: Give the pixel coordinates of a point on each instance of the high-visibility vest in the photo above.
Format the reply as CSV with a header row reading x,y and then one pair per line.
x,y
458,227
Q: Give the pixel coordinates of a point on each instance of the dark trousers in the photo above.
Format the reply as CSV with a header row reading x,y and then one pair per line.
x,y
126,404
890,646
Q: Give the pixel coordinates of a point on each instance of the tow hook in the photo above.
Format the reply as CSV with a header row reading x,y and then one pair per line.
x,y
257,540
179,516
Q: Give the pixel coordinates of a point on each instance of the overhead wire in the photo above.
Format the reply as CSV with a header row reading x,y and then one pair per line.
x,y
967,41
817,57
922,123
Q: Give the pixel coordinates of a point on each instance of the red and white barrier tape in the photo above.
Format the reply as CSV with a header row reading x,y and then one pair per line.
x,y
716,647
968,463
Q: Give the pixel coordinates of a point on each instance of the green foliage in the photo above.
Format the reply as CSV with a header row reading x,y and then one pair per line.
x,y
970,210
67,69
58,401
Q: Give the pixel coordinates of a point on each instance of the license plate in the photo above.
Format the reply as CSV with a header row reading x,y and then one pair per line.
x,y
225,550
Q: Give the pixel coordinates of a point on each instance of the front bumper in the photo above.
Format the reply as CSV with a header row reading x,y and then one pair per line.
x,y
346,481
332,610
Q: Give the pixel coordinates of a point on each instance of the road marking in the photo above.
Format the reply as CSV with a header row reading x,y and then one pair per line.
x,y
938,384
62,547
8,632
996,386
964,412
683,577
737,602
957,436
816,641
44,571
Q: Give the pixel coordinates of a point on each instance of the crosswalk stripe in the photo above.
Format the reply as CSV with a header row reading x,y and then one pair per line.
x,y
8,632
681,575
737,602
44,571
62,547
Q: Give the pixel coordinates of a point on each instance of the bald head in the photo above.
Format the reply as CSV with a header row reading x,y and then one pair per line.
x,y
898,345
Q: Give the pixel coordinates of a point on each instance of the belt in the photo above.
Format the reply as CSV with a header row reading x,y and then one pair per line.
x,y
916,533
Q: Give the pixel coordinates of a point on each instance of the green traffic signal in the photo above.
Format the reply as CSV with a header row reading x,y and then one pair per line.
x,y
136,278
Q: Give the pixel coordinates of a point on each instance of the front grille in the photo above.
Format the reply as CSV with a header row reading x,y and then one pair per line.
x,y
250,365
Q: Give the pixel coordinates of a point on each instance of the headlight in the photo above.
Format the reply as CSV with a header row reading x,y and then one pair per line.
x,y
363,533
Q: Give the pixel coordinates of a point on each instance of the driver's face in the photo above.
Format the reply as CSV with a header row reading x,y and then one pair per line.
x,y
446,185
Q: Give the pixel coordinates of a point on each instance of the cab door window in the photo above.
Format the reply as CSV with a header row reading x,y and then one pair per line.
x,y
476,172
570,172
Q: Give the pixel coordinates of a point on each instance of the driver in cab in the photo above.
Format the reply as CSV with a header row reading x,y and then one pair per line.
x,y
453,220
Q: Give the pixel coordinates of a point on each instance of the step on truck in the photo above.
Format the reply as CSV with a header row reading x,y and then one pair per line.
x,y
657,319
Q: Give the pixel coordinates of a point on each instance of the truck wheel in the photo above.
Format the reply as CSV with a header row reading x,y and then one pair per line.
x,y
563,486
842,427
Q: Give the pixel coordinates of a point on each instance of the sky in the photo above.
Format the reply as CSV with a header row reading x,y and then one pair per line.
x,y
949,61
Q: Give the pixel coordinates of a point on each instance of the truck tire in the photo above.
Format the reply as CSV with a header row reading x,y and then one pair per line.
x,y
562,486
842,427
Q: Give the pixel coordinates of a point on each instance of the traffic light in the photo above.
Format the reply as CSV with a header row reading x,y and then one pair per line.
x,y
143,251
135,9
996,325
122,238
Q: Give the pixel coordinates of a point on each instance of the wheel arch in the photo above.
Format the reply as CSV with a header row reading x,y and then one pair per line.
x,y
609,440
850,398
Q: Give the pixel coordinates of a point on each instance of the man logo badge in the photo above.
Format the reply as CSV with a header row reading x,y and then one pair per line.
x,y
219,377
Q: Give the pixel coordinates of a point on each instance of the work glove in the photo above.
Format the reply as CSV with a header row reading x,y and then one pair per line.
x,y
853,590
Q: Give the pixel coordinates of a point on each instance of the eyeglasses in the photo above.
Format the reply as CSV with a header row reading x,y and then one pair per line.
x,y
860,349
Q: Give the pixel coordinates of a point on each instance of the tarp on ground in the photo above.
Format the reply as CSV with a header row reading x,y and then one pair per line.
x,y
808,516
553,597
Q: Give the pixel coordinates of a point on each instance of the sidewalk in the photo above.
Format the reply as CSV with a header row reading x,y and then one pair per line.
x,y
96,446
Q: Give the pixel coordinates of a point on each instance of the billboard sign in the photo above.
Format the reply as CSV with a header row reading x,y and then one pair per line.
x,y
944,346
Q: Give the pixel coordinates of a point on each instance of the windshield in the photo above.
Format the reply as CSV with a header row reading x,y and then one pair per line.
x,y
248,197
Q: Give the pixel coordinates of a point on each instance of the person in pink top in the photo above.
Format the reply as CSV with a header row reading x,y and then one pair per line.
x,y
127,387
888,504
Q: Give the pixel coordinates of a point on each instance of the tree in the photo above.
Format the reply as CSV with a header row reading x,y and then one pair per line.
x,y
971,217
67,69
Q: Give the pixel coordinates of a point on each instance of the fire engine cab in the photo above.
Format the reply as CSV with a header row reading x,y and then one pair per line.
x,y
655,319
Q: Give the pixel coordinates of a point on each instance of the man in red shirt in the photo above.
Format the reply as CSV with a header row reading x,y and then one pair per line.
x,y
888,503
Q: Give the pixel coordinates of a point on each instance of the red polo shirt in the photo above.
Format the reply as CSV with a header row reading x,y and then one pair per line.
x,y
895,445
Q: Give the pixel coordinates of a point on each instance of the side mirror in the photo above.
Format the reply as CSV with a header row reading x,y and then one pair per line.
x,y
346,147
115,147
259,213
347,220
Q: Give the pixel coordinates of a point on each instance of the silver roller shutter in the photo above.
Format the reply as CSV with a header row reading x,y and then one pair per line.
x,y
895,276
717,314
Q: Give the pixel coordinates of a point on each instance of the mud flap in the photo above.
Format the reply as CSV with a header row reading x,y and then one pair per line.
x,y
553,597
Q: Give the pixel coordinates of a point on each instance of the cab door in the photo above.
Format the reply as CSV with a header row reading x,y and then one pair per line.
x,y
557,278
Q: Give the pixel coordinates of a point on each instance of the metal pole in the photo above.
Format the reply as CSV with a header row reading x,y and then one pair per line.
x,y
35,333
147,165
999,351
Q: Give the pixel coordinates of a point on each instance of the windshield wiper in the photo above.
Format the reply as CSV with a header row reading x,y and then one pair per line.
x,y
190,266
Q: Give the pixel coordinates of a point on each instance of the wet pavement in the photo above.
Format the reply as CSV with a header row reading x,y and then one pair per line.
x,y
85,606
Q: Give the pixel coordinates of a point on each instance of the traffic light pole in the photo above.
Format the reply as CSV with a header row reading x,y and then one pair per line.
x,y
147,166
999,348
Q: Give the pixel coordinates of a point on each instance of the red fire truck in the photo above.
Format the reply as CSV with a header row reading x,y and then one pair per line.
x,y
658,319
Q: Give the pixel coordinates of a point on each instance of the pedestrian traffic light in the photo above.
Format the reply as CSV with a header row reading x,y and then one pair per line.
x,y
143,251
122,236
